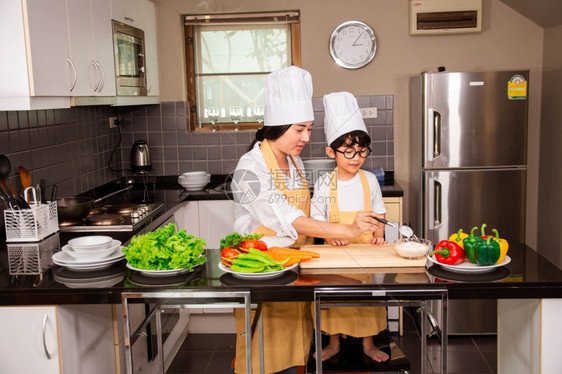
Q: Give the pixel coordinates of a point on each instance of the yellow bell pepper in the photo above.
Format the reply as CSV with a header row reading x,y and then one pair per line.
x,y
504,246
458,238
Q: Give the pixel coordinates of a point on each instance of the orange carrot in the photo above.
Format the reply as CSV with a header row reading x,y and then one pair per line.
x,y
291,252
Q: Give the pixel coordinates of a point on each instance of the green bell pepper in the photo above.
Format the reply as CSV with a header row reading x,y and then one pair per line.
x,y
470,245
487,252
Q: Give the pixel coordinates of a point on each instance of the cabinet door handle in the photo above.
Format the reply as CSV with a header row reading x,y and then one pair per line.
x,y
45,318
102,83
98,73
129,19
73,82
148,81
101,76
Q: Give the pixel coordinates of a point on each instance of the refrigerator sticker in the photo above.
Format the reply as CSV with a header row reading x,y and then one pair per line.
x,y
517,88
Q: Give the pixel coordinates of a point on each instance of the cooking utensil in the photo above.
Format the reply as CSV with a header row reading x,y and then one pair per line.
x,y
408,233
382,220
25,177
53,192
43,191
5,168
74,208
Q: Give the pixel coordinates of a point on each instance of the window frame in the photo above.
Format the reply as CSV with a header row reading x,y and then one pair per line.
x,y
248,18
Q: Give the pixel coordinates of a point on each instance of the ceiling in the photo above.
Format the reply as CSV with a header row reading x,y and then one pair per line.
x,y
545,13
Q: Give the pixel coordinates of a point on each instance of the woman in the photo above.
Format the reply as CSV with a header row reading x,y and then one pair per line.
x,y
273,198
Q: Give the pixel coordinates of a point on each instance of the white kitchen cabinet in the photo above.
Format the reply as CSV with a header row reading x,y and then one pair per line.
x,y
151,49
216,220
128,12
39,72
393,214
57,339
91,47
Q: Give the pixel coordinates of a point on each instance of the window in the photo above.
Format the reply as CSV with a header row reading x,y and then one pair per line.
x,y
227,58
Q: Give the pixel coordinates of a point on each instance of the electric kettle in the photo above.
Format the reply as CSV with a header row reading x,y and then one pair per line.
x,y
140,157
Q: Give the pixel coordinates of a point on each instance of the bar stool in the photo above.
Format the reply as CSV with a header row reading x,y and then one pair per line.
x,y
187,299
351,357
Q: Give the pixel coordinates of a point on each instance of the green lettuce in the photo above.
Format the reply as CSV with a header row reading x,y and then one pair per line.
x,y
165,249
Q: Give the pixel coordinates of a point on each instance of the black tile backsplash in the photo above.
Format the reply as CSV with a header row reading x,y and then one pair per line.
x,y
73,147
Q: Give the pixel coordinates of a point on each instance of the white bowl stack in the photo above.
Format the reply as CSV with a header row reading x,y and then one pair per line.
x,y
94,247
194,180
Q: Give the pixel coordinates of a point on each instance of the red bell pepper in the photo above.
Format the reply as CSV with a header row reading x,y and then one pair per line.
x,y
448,253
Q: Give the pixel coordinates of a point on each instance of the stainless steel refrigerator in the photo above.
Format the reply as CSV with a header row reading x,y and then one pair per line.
x,y
468,164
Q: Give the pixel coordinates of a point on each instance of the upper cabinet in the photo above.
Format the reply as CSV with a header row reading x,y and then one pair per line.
x,y
128,12
36,70
59,53
91,47
150,43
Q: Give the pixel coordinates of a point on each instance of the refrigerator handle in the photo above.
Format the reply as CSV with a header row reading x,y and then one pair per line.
x,y
436,133
437,209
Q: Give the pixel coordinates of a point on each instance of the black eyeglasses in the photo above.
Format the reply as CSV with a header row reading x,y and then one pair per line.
x,y
350,153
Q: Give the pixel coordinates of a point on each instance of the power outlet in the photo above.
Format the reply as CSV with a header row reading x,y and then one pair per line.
x,y
112,124
369,112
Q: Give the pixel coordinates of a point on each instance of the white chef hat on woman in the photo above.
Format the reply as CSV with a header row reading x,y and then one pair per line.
x,y
288,97
342,115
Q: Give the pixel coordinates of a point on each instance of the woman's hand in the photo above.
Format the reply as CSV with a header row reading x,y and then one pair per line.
x,y
337,242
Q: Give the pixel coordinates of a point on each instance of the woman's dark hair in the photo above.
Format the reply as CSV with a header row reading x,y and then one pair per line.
x,y
351,138
269,133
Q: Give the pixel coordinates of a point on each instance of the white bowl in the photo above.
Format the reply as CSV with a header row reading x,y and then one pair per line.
x,y
198,179
412,250
194,173
90,242
93,254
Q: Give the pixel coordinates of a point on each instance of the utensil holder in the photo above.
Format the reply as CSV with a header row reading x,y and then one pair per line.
x,y
32,258
31,225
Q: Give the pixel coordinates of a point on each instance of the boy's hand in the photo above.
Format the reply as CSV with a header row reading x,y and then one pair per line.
x,y
338,242
378,241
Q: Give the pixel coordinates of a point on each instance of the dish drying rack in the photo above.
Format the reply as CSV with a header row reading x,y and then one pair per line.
x,y
31,225
32,258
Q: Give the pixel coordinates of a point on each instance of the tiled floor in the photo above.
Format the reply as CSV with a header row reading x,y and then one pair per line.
x,y
213,353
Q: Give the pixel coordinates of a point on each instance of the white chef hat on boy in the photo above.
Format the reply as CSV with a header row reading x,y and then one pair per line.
x,y
342,115
288,97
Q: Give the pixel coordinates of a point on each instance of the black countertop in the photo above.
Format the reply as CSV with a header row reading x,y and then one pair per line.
x,y
528,275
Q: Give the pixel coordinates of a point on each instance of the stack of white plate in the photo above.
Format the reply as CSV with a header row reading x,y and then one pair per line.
x,y
194,180
89,253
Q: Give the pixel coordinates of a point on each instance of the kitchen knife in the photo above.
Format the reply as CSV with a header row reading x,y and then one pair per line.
x,y
382,220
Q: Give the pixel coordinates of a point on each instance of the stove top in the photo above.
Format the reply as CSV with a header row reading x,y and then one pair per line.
x,y
119,207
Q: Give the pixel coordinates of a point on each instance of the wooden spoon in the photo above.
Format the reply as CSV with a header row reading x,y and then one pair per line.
x,y
25,177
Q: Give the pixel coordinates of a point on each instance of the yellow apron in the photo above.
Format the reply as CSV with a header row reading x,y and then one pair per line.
x,y
287,326
353,321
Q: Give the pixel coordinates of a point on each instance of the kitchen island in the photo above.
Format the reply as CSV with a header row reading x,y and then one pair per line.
x,y
528,277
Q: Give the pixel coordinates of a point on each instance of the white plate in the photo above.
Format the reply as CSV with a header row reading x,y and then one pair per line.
x,y
271,274
277,241
161,273
62,258
90,267
469,267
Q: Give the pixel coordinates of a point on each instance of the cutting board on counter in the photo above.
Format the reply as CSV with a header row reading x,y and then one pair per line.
x,y
357,256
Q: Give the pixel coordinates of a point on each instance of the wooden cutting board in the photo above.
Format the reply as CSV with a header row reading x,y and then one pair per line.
x,y
357,256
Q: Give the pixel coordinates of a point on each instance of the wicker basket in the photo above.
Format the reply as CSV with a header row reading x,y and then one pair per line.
x,y
31,225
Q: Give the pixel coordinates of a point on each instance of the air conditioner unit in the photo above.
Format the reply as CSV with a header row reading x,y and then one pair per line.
x,y
429,17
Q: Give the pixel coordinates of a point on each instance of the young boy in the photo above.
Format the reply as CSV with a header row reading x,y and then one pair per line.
x,y
338,196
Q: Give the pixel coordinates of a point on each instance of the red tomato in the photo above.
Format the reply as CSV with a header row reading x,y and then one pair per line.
x,y
254,243
227,253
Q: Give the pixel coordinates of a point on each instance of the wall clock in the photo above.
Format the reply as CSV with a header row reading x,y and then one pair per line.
x,y
353,44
